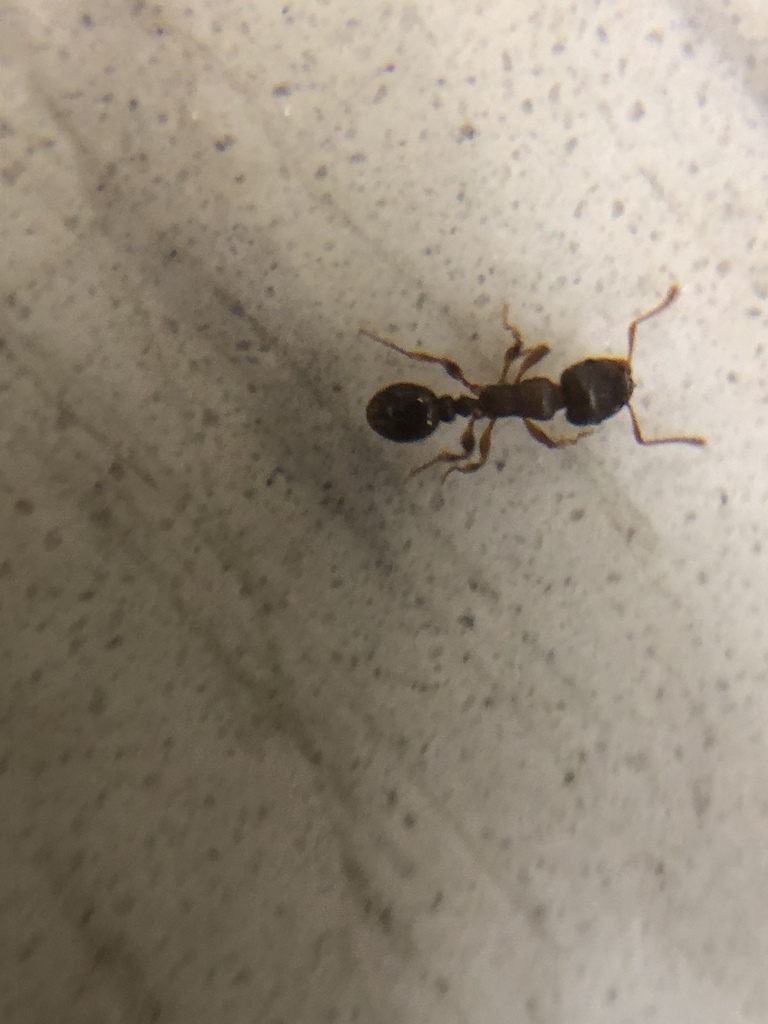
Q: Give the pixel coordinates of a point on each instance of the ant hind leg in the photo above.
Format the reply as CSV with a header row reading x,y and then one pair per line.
x,y
467,445
451,368
485,448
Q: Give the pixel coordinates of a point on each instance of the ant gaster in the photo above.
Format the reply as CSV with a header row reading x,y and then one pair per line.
x,y
589,391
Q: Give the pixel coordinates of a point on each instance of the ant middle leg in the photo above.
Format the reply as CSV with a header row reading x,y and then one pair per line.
x,y
699,442
467,445
485,449
668,299
513,330
530,358
451,368
510,356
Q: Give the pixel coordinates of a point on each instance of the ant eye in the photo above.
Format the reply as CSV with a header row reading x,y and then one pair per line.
x,y
404,412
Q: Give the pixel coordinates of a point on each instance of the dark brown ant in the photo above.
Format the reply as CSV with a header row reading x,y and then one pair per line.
x,y
589,391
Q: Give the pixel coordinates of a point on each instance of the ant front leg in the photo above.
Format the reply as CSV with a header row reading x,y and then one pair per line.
x,y
467,445
540,435
668,299
698,442
451,368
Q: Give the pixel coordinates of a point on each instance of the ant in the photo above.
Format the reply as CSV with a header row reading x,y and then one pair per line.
x,y
589,391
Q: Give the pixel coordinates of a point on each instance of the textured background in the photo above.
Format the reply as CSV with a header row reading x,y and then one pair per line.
x,y
285,740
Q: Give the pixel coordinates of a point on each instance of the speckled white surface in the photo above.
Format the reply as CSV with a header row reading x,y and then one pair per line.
x,y
287,741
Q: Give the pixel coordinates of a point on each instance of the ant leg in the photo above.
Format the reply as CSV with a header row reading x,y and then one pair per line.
x,y
510,356
467,445
508,326
531,357
451,368
540,435
517,348
485,448
668,299
699,442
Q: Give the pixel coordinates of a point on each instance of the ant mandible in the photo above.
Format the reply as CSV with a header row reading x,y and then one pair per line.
x,y
589,391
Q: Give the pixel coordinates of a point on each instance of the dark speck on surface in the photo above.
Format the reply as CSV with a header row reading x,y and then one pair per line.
x,y
102,516
98,701
636,111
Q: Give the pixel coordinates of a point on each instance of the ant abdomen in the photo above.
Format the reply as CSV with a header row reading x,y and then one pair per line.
x,y
404,412
411,412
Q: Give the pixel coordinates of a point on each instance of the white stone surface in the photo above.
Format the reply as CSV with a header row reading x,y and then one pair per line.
x,y
286,740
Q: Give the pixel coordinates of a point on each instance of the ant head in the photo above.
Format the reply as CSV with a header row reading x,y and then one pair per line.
x,y
404,412
595,389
